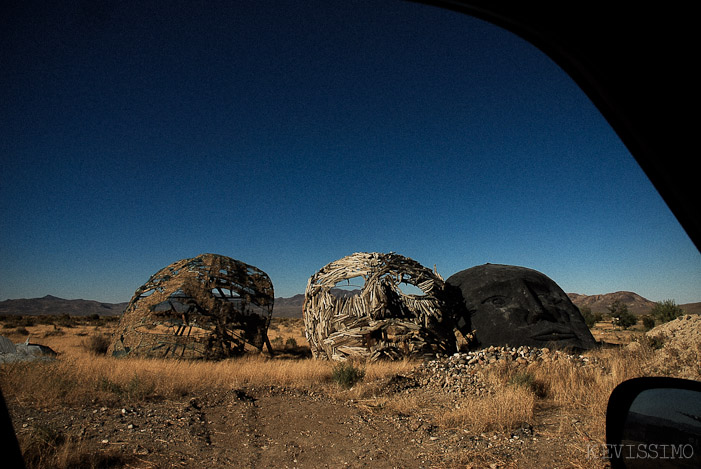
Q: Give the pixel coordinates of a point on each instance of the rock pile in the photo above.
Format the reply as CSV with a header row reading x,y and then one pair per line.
x,y
459,373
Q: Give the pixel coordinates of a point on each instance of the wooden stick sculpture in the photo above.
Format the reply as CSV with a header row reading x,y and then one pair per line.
x,y
381,320
209,306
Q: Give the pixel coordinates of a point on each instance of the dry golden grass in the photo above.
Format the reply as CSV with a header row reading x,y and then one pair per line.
x,y
80,379
80,376
511,406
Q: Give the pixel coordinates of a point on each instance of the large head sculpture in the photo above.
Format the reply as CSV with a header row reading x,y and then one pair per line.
x,y
209,306
511,305
379,320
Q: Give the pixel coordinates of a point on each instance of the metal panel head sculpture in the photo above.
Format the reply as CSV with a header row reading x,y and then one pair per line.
x,y
379,321
209,307
511,305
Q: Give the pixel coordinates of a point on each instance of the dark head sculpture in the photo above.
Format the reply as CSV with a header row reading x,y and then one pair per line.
x,y
510,305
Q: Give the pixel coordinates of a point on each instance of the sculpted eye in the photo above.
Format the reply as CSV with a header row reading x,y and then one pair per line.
x,y
552,300
495,301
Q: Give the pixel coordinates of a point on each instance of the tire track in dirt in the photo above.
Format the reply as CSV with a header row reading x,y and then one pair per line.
x,y
292,429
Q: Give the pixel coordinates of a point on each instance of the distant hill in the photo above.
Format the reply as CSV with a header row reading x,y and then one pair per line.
x,y
288,307
292,306
49,305
636,304
52,305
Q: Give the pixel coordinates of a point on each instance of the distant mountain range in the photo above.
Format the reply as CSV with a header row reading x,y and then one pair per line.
x,y
54,305
636,304
292,307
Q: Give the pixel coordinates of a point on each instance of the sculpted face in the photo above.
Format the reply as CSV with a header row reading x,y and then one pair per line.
x,y
510,305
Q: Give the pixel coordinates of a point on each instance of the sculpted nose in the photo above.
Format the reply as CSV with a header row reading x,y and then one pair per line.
x,y
536,310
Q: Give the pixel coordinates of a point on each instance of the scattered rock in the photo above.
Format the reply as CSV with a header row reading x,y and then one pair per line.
x,y
458,373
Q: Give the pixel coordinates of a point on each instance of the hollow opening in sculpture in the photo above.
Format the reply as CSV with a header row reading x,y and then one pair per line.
x,y
408,288
348,287
209,306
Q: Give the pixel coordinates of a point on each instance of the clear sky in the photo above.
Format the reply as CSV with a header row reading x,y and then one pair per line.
x,y
290,134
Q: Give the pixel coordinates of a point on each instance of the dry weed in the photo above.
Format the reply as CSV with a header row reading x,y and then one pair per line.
x,y
503,410
45,446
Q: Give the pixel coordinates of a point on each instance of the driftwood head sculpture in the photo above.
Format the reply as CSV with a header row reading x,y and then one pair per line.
x,y
209,306
511,305
379,320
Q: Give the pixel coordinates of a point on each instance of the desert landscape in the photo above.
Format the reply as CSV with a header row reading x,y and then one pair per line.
x,y
494,408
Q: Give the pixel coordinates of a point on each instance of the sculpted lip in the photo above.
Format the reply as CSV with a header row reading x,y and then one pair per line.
x,y
554,335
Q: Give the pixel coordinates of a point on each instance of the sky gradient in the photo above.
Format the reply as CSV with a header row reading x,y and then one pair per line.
x,y
290,134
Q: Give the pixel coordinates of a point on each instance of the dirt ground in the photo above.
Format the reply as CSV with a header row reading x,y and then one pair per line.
x,y
281,428
286,427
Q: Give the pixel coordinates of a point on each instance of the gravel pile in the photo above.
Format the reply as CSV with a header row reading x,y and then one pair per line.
x,y
458,373
685,331
678,345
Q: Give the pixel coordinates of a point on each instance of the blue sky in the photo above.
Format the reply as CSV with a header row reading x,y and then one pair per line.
x,y
290,134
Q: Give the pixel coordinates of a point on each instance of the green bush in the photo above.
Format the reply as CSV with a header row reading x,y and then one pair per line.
x,y
621,316
648,322
665,311
346,374
291,343
588,316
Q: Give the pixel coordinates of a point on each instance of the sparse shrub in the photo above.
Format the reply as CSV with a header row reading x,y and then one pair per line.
x,y
27,321
648,322
276,342
346,374
56,331
290,343
47,319
22,330
527,380
652,343
45,446
64,320
665,311
136,389
40,444
97,344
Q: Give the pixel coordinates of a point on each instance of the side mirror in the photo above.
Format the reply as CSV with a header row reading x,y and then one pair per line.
x,y
654,422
